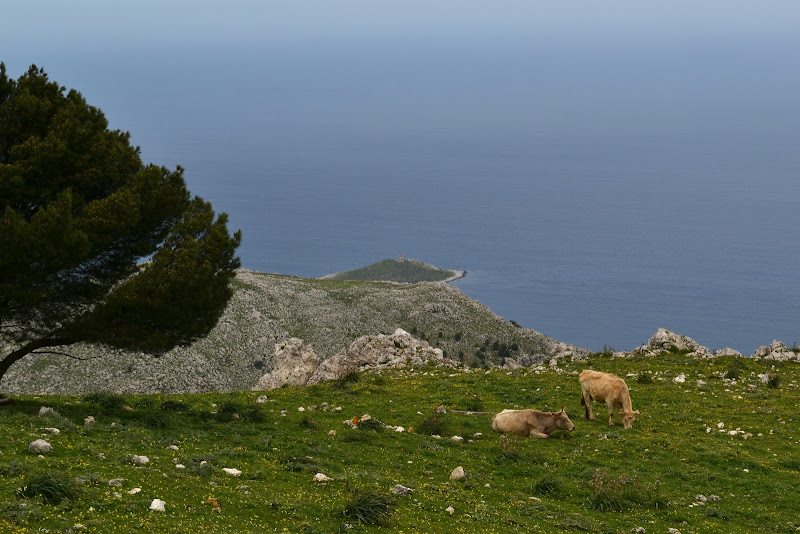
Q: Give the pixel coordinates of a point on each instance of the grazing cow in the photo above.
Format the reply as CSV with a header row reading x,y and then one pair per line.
x,y
604,387
531,423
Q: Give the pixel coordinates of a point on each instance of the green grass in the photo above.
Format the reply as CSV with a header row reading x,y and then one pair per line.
x,y
409,271
595,479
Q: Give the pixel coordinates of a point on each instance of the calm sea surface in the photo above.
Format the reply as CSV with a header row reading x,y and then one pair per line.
x,y
595,191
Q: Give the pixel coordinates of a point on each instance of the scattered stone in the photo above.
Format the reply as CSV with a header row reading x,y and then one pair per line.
x,y
46,410
457,438
157,505
78,526
458,474
331,432
262,399
301,409
673,531
140,460
680,379
232,471
40,446
88,421
51,430
320,477
127,408
399,489
714,498
116,482
399,429
134,491
180,466
477,435
639,530
173,447
450,510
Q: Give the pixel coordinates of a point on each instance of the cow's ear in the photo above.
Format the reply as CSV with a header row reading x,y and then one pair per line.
x,y
564,409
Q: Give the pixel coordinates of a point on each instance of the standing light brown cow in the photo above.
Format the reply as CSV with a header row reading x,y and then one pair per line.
x,y
604,387
531,423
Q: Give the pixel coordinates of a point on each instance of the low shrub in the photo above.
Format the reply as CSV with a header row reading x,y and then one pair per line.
x,y
434,424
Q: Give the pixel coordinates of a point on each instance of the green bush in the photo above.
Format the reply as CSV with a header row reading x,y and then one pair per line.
x,y
435,424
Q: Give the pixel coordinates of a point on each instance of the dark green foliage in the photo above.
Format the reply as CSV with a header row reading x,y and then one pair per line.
x,y
173,406
410,271
773,381
644,378
615,493
307,423
344,381
434,424
109,403
473,404
371,424
367,507
52,486
547,484
80,212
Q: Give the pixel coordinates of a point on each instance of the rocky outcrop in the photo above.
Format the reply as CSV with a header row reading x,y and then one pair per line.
x,y
379,352
777,350
293,364
666,341
297,365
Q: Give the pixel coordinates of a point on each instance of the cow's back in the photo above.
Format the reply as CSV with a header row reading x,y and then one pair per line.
x,y
513,422
602,386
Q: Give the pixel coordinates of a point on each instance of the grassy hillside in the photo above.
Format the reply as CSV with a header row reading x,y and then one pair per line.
x,y
718,431
409,270
269,308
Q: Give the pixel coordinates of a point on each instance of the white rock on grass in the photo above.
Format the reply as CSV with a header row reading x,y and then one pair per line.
x,y
321,477
53,431
399,489
140,460
88,421
116,482
157,505
134,491
40,446
449,509
458,474
45,410
232,471
173,447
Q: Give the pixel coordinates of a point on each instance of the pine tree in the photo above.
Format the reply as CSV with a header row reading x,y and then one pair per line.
x,y
95,246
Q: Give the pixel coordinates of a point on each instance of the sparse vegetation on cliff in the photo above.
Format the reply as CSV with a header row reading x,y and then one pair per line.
x,y
399,270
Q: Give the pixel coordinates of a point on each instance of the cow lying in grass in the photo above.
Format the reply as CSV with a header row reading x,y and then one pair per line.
x,y
531,423
604,387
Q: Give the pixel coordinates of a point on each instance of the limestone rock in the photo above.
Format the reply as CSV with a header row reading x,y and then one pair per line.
x,y
665,340
157,505
458,474
293,364
379,352
401,490
40,446
727,351
777,350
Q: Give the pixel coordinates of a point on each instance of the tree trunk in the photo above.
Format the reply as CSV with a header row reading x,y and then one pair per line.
x,y
20,353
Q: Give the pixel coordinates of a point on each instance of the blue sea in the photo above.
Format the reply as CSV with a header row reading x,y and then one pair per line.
x,y
599,175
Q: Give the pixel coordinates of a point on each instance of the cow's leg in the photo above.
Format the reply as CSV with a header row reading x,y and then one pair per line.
x,y
586,400
611,413
537,434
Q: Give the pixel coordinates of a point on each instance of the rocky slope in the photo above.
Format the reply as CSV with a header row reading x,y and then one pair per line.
x,y
268,309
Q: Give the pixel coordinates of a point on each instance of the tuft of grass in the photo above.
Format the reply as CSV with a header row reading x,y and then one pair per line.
x,y
645,378
434,424
611,493
20,512
367,507
52,486
548,484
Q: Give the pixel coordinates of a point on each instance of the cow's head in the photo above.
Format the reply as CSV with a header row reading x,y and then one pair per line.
x,y
562,420
628,417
